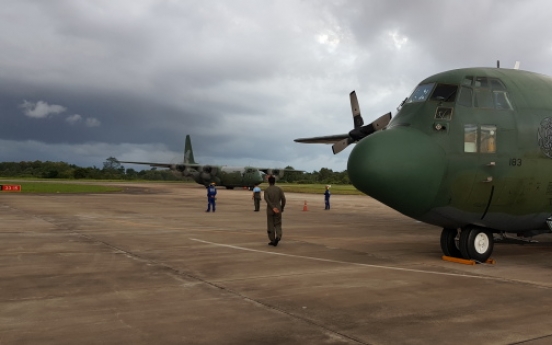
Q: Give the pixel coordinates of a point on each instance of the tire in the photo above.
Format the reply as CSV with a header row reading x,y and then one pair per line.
x,y
449,245
476,244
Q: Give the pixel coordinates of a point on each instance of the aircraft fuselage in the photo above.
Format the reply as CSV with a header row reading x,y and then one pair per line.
x,y
468,147
227,176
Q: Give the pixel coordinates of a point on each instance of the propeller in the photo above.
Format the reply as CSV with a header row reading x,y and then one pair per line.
x,y
360,131
208,172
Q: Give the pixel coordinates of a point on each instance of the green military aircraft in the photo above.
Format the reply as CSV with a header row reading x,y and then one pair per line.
x,y
221,175
470,150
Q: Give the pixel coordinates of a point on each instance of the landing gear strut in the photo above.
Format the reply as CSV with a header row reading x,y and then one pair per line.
x,y
473,243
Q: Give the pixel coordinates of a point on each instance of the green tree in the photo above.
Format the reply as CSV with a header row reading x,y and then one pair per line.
x,y
292,177
325,175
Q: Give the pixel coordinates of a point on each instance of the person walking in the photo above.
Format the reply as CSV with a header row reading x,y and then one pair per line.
x,y
256,197
211,197
327,195
275,203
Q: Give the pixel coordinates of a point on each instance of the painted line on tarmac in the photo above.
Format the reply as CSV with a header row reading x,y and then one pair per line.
x,y
353,263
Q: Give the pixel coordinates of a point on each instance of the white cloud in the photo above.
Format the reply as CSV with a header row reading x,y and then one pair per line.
x,y
92,122
398,39
41,109
260,74
74,119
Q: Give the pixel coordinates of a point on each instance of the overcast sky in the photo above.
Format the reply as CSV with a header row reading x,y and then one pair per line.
x,y
81,81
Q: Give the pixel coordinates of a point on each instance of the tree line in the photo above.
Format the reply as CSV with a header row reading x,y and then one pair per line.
x,y
113,170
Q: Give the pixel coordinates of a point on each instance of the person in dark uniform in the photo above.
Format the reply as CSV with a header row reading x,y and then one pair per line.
x,y
211,197
327,195
256,197
275,203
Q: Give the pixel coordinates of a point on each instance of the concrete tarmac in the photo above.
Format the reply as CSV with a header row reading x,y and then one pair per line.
x,y
149,266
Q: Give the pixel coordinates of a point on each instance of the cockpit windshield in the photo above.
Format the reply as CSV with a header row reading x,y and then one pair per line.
x,y
444,93
439,93
421,93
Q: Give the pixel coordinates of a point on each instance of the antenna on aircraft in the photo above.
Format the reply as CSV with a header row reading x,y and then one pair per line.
x,y
516,66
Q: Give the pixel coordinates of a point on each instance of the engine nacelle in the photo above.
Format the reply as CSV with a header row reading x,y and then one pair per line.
x,y
209,174
278,173
210,170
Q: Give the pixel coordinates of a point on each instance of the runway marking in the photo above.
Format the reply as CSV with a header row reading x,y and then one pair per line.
x,y
413,270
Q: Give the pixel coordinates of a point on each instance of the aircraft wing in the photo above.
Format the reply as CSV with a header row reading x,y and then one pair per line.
x,y
276,171
329,139
166,165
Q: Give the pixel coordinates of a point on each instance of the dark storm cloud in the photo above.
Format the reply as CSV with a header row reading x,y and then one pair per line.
x,y
84,80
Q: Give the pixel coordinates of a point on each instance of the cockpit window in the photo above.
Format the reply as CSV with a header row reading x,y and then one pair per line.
x,y
482,82
483,98
465,97
497,85
486,92
501,101
444,93
421,93
467,81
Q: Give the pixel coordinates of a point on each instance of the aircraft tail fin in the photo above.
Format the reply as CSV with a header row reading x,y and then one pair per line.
x,y
188,151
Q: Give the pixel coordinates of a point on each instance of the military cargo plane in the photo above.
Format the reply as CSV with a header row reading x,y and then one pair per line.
x,y
221,175
470,150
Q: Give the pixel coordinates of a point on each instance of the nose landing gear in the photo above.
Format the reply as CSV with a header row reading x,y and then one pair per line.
x,y
472,243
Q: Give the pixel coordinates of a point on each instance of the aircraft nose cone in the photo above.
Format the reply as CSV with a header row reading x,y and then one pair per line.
x,y
401,167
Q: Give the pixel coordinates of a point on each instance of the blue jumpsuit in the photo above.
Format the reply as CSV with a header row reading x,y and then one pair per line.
x,y
211,198
327,199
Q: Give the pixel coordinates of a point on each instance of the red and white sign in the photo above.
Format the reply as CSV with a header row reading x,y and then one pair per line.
x,y
10,188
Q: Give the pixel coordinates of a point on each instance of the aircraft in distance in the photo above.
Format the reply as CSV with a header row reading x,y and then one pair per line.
x,y
221,175
470,150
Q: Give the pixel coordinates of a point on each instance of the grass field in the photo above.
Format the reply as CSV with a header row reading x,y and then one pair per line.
x,y
65,186
336,189
48,187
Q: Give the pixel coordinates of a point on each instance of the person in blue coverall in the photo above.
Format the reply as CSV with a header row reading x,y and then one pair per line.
x,y
257,197
211,197
327,195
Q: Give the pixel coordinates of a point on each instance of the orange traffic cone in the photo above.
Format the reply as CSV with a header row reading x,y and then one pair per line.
x,y
305,208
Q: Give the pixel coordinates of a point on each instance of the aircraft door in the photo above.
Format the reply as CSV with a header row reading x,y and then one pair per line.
x,y
481,142
496,186
485,116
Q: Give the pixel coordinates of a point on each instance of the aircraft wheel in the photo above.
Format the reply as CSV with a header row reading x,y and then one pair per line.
x,y
476,244
449,244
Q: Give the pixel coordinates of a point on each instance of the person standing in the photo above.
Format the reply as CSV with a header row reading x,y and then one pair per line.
x,y
327,195
275,203
211,197
256,197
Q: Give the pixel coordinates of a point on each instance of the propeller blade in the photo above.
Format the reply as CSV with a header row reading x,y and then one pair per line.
x,y
340,145
355,108
381,122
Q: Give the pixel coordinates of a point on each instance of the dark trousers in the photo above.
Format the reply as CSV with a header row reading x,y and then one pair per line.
x,y
257,202
210,202
327,203
274,226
